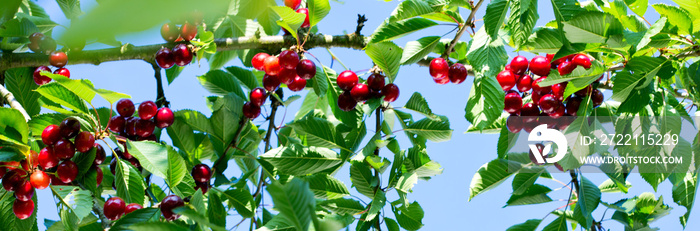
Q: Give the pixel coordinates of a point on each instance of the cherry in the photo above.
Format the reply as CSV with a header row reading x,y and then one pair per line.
x,y
289,59
117,124
506,79
519,65
58,59
259,61
250,110
67,171
40,180
540,65
565,68
442,81
24,191
99,176
390,92
182,55
558,90
258,96
23,209
513,103
540,148
12,179
164,117
114,208
272,65
147,110
549,103
144,128
113,166
298,84
292,3
84,141
507,68
62,71
64,149
47,159
130,126
271,82
524,84
69,127
585,91
99,154
597,97
188,31
550,57
36,37
572,105
306,20
170,32
125,107
306,69
51,134
204,186
40,79
346,102
124,155
529,112
201,173
540,90
439,68
135,162
375,81
132,207
347,80
457,73
287,76
581,60
559,112
514,123
360,92
535,97
168,204
35,47
165,58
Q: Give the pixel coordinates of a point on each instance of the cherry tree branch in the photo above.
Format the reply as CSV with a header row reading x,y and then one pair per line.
x,y
469,24
10,99
160,93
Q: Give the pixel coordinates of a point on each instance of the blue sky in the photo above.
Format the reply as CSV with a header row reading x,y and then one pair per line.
x,y
445,197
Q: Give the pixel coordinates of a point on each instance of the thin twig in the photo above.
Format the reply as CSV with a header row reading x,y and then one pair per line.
x,y
160,93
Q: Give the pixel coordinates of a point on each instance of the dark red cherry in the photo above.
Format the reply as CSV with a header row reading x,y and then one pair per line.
x,y
559,112
347,80
251,111
306,20
524,84
442,81
164,117
457,73
513,103
298,84
201,173
439,68
69,127
259,61
258,96
23,209
64,149
581,60
558,90
168,204
132,207
204,186
62,71
47,159
540,90
58,59
51,134
67,171
597,97
360,92
84,141
292,3
514,123
346,102
390,92
147,110
40,79
100,154
540,65
182,55
24,191
125,107
572,105
549,103
99,176
375,81
271,82
529,112
519,65
188,31
585,91
117,124
272,65
506,79
289,59
306,69
114,208
165,58
287,76
565,68
144,128
12,179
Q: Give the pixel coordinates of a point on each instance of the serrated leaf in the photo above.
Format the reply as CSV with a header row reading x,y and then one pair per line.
x,y
159,159
417,50
289,20
676,16
85,89
19,82
55,92
558,224
135,217
392,30
298,160
410,216
318,9
342,206
318,132
529,225
362,179
525,179
495,16
241,200
418,104
491,175
295,202
409,9
215,211
244,76
79,201
129,183
534,194
386,55
326,186
433,130
221,83
70,8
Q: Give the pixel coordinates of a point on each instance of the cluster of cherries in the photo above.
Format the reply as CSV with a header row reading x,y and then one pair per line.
x,y
294,4
140,127
115,207
443,73
202,176
180,54
57,59
548,105
354,91
286,68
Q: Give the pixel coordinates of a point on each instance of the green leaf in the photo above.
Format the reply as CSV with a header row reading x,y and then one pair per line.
x,y
129,183
590,27
244,76
418,104
13,126
485,104
362,179
495,15
529,225
159,159
289,20
299,160
693,8
386,55
216,211
377,205
486,55
434,130
136,217
172,73
18,28
639,7
318,132
318,9
409,9
78,201
676,16
241,200
491,175
295,202
522,19
558,224
157,226
545,40
84,160
343,206
645,69
85,89
20,82
610,186
588,200
653,30
417,50
326,186
526,178
221,83
410,216
8,10
55,92
70,8
393,30
535,194
684,195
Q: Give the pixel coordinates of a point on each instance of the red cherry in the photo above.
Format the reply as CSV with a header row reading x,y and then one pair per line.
x,y
297,85
168,204
272,65
442,81
13,179
40,180
201,173
99,154
164,117
135,162
572,105
390,92
165,58
439,68
67,171
347,80
287,76
535,97
24,191
558,90
292,3
64,149
69,127
306,20
360,92
188,31
47,159
529,112
514,123
346,102
549,103
117,124
540,65
147,110
540,90
585,91
306,69
58,59
125,155
565,68
84,141
114,208
40,79
271,82
182,55
581,60
51,134
144,128
559,112
550,57
289,59
506,79
125,107
23,209
99,176
250,110
457,73
132,207
597,97
524,84
170,32
519,65
259,61
204,186
513,103
62,71
258,96
375,81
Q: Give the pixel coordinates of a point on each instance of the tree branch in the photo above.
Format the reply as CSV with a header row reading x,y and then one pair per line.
x,y
469,24
10,99
160,93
